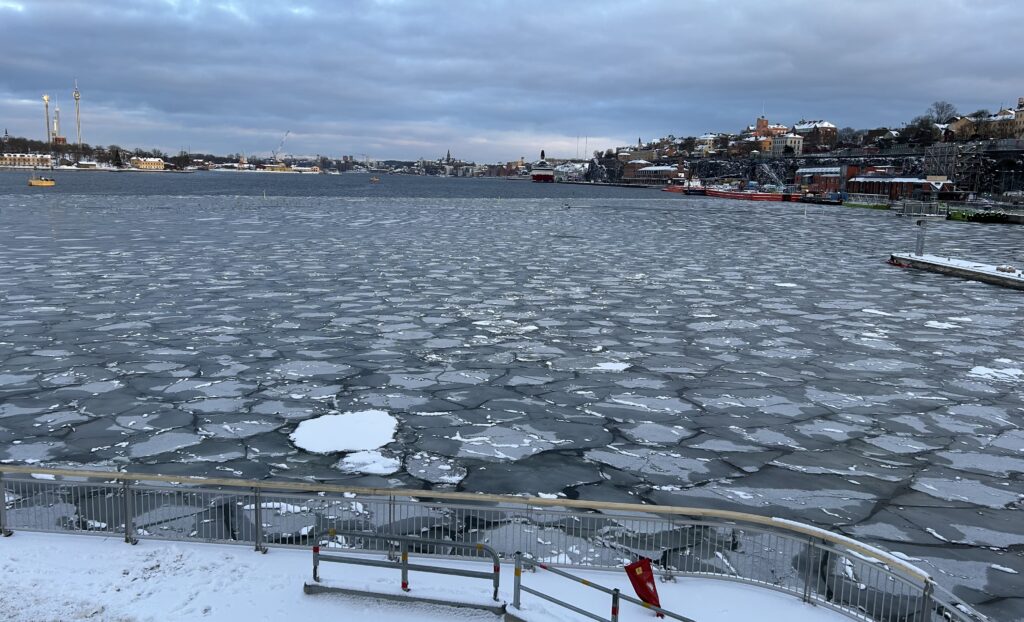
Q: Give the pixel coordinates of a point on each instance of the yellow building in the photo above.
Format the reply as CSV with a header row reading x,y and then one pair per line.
x,y
147,164
25,160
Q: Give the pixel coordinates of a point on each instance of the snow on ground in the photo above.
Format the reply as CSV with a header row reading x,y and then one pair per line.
x,y
351,431
71,577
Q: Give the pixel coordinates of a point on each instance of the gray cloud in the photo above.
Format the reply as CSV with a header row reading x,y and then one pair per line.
x,y
491,80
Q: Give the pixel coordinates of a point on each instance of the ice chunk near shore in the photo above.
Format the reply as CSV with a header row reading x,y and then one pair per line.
x,y
350,431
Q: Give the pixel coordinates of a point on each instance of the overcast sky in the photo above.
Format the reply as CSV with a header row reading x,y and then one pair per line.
x,y
492,81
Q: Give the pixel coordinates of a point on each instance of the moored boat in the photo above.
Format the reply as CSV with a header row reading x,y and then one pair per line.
x,y
41,182
684,186
751,195
542,171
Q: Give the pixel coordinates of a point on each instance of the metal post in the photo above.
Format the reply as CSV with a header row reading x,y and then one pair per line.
x,y
126,496
259,522
919,250
926,601
615,605
316,564
518,579
4,530
405,566
391,521
810,570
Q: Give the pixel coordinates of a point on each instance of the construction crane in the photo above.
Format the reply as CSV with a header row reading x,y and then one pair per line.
x,y
277,152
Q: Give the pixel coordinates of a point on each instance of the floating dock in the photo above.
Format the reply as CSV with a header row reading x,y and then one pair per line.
x,y
1007,276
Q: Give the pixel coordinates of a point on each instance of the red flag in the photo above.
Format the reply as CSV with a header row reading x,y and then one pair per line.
x,y
642,577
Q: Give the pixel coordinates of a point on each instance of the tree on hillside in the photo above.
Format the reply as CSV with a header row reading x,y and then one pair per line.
x,y
920,131
979,114
850,136
941,111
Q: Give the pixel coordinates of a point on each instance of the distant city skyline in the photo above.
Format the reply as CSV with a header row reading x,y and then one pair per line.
x,y
490,81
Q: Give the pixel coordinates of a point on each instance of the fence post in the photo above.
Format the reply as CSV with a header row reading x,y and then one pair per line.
x,y
518,578
405,566
126,506
391,522
615,605
316,564
258,517
4,530
810,569
919,248
926,601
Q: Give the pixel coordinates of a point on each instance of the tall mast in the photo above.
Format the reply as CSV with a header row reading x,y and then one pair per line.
x,y
78,115
46,106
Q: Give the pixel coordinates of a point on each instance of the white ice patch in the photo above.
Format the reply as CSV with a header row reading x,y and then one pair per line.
x,y
350,431
368,462
786,285
611,366
1003,569
934,324
1008,374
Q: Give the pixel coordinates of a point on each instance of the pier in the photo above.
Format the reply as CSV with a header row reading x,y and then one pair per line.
x,y
1007,276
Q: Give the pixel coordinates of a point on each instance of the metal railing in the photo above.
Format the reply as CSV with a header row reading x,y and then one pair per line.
x,y
867,199
403,562
919,209
815,565
616,595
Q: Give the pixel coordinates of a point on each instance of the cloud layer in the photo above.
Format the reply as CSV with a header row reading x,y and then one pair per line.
x,y
491,81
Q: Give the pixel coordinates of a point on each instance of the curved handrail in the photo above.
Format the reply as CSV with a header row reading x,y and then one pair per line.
x,y
821,541
778,523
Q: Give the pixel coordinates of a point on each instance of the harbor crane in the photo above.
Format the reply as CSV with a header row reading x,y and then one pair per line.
x,y
277,152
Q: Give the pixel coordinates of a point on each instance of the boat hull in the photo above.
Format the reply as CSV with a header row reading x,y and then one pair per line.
x,y
546,177
752,196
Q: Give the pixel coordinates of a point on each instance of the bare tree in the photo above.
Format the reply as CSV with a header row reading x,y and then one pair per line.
x,y
942,111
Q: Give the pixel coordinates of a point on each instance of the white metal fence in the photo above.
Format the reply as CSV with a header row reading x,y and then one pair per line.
x,y
809,563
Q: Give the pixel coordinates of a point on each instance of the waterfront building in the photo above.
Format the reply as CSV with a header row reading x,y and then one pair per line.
x,y
25,160
897,188
706,144
630,171
817,135
819,179
147,164
1019,119
787,144
763,129
1000,125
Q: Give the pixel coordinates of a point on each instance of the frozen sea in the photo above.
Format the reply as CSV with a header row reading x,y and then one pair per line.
x,y
597,343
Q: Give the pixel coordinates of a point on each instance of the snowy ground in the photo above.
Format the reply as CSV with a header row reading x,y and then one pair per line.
x,y
48,577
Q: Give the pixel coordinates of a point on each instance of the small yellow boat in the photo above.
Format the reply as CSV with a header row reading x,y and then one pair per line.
x,y
44,182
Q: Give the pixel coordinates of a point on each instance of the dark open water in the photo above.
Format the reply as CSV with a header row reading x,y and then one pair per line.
x,y
636,346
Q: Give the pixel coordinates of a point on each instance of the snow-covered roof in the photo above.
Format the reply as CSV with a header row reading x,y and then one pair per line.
x,y
805,126
659,168
903,180
638,162
1003,115
708,136
818,170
